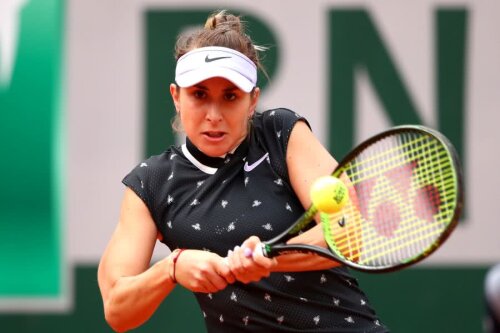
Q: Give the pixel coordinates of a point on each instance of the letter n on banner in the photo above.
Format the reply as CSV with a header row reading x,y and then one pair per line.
x,y
356,43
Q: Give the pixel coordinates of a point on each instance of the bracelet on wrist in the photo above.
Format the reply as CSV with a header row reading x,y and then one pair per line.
x,y
175,256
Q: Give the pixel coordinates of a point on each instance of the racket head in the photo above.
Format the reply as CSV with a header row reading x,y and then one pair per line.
x,y
405,187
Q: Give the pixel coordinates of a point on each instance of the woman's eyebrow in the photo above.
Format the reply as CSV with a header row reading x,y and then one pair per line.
x,y
200,86
228,89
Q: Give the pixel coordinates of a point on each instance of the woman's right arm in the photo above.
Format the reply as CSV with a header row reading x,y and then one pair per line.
x,y
131,290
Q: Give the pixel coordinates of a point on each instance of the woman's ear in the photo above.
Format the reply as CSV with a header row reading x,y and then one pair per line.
x,y
174,92
255,94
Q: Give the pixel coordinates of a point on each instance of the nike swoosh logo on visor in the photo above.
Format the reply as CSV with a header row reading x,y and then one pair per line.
x,y
207,59
249,167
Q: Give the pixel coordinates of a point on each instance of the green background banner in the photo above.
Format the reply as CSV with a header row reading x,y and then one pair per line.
x,y
31,172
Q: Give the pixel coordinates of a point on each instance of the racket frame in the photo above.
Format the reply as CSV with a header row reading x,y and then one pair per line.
x,y
275,246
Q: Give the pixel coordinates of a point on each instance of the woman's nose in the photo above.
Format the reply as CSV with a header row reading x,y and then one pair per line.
x,y
213,113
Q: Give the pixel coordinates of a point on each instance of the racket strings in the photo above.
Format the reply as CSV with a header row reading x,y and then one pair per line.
x,y
397,197
427,184
347,250
369,160
364,167
391,248
351,245
372,236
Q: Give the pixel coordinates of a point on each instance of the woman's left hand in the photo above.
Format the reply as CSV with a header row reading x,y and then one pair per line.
x,y
248,265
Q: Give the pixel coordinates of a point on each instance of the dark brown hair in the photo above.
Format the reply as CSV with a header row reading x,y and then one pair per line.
x,y
221,29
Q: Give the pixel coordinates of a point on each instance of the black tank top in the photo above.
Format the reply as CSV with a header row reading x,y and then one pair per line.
x,y
214,204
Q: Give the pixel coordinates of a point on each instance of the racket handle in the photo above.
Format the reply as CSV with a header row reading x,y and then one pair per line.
x,y
265,250
260,249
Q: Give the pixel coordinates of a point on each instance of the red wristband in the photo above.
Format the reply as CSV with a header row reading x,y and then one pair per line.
x,y
175,257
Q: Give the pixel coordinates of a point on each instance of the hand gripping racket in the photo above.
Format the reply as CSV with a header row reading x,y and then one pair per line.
x,y
405,195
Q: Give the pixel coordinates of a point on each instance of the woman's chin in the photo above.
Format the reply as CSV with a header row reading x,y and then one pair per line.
x,y
212,151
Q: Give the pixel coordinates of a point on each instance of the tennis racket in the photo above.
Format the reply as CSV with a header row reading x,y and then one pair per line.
x,y
405,194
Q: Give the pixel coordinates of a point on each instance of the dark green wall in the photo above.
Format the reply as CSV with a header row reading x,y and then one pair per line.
x,y
31,171
413,301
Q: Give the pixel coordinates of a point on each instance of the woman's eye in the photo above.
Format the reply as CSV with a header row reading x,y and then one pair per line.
x,y
199,94
230,96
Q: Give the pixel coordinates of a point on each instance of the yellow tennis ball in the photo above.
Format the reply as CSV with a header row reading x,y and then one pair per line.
x,y
329,194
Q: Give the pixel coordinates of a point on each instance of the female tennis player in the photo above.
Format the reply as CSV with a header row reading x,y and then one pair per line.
x,y
241,177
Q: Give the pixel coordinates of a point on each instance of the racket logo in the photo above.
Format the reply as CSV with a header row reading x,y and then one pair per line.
x,y
401,196
342,222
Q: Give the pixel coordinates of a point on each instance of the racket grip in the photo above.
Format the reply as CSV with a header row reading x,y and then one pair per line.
x,y
261,249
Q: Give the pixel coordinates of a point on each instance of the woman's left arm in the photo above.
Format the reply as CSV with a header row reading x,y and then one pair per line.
x,y
307,159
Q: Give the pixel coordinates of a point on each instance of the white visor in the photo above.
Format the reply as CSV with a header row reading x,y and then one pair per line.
x,y
208,62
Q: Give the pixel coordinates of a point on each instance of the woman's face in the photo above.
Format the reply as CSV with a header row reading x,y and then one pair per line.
x,y
214,114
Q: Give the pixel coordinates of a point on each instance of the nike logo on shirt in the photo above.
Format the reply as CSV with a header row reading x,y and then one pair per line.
x,y
249,167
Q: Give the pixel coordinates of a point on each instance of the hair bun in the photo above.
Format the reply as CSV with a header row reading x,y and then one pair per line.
x,y
225,21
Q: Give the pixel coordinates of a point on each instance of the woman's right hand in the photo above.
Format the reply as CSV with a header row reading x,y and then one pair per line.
x,y
202,271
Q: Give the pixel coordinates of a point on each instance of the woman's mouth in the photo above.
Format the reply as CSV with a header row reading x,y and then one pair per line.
x,y
214,135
